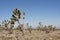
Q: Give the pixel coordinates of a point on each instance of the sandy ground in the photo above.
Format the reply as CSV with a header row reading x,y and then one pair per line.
x,y
35,35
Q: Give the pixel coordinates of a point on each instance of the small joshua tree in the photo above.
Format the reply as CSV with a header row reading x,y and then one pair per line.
x,y
27,25
45,28
40,26
5,23
30,29
54,28
49,29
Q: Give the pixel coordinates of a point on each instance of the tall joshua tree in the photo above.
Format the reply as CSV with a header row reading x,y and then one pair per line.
x,y
15,17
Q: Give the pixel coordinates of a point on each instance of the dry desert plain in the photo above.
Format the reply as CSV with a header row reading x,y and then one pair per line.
x,y
34,35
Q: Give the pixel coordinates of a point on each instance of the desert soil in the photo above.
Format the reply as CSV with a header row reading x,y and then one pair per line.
x,y
34,35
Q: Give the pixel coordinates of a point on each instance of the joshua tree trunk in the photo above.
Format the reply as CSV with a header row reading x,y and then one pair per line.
x,y
19,25
11,27
21,28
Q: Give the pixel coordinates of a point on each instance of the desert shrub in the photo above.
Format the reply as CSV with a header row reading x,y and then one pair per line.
x,y
5,24
45,28
47,31
30,29
38,28
54,28
50,27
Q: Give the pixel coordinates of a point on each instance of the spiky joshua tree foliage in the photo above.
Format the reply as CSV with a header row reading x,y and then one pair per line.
x,y
16,16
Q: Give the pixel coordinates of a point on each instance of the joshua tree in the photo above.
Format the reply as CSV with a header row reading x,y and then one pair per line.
x,y
54,28
27,25
40,26
15,17
5,24
30,29
50,27
45,28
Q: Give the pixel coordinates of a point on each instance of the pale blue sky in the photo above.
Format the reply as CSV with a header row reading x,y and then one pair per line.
x,y
46,11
